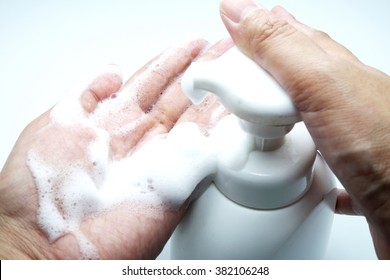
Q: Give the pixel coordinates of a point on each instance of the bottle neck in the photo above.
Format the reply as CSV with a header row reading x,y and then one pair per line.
x,y
265,131
268,144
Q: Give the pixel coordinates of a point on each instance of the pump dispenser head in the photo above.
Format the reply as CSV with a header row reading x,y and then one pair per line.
x,y
246,90
266,113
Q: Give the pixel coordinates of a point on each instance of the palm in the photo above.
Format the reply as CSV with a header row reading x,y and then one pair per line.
x,y
119,232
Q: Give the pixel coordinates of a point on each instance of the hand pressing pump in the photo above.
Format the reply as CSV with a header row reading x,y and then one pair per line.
x,y
272,196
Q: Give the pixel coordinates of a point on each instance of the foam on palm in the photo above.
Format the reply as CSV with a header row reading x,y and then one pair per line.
x,y
79,177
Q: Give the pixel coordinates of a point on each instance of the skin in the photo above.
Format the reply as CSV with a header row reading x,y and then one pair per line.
x,y
122,232
329,85
343,102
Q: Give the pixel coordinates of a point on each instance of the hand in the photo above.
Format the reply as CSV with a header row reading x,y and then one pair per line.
x,y
344,104
151,102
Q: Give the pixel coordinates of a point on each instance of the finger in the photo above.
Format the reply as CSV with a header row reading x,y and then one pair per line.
x,y
147,84
127,117
320,38
107,82
210,110
273,43
257,32
292,58
174,107
345,205
173,102
169,107
216,50
205,115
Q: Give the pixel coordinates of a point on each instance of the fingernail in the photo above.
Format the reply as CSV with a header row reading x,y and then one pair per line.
x,y
236,9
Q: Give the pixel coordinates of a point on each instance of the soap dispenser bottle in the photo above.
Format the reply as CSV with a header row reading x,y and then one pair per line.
x,y
272,196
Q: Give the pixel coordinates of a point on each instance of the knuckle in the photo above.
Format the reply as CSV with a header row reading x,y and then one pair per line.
x,y
263,30
319,35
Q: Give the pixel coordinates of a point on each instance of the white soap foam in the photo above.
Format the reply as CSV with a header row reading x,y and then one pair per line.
x,y
49,217
223,140
162,173
98,154
87,249
172,167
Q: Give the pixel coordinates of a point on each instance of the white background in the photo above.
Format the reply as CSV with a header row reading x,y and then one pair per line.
x,y
46,45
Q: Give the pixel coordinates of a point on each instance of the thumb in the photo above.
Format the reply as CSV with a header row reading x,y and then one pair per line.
x,y
276,45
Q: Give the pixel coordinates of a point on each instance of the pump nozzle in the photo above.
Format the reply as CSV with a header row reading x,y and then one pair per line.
x,y
246,90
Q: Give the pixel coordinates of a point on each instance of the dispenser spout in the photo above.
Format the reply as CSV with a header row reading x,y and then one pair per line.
x,y
244,88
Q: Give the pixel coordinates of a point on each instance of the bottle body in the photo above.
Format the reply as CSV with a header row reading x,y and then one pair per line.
x,y
215,227
273,196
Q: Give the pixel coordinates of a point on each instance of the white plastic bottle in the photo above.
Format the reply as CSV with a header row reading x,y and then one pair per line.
x,y
273,195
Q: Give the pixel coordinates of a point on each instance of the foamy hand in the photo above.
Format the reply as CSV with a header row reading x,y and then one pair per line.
x,y
106,172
